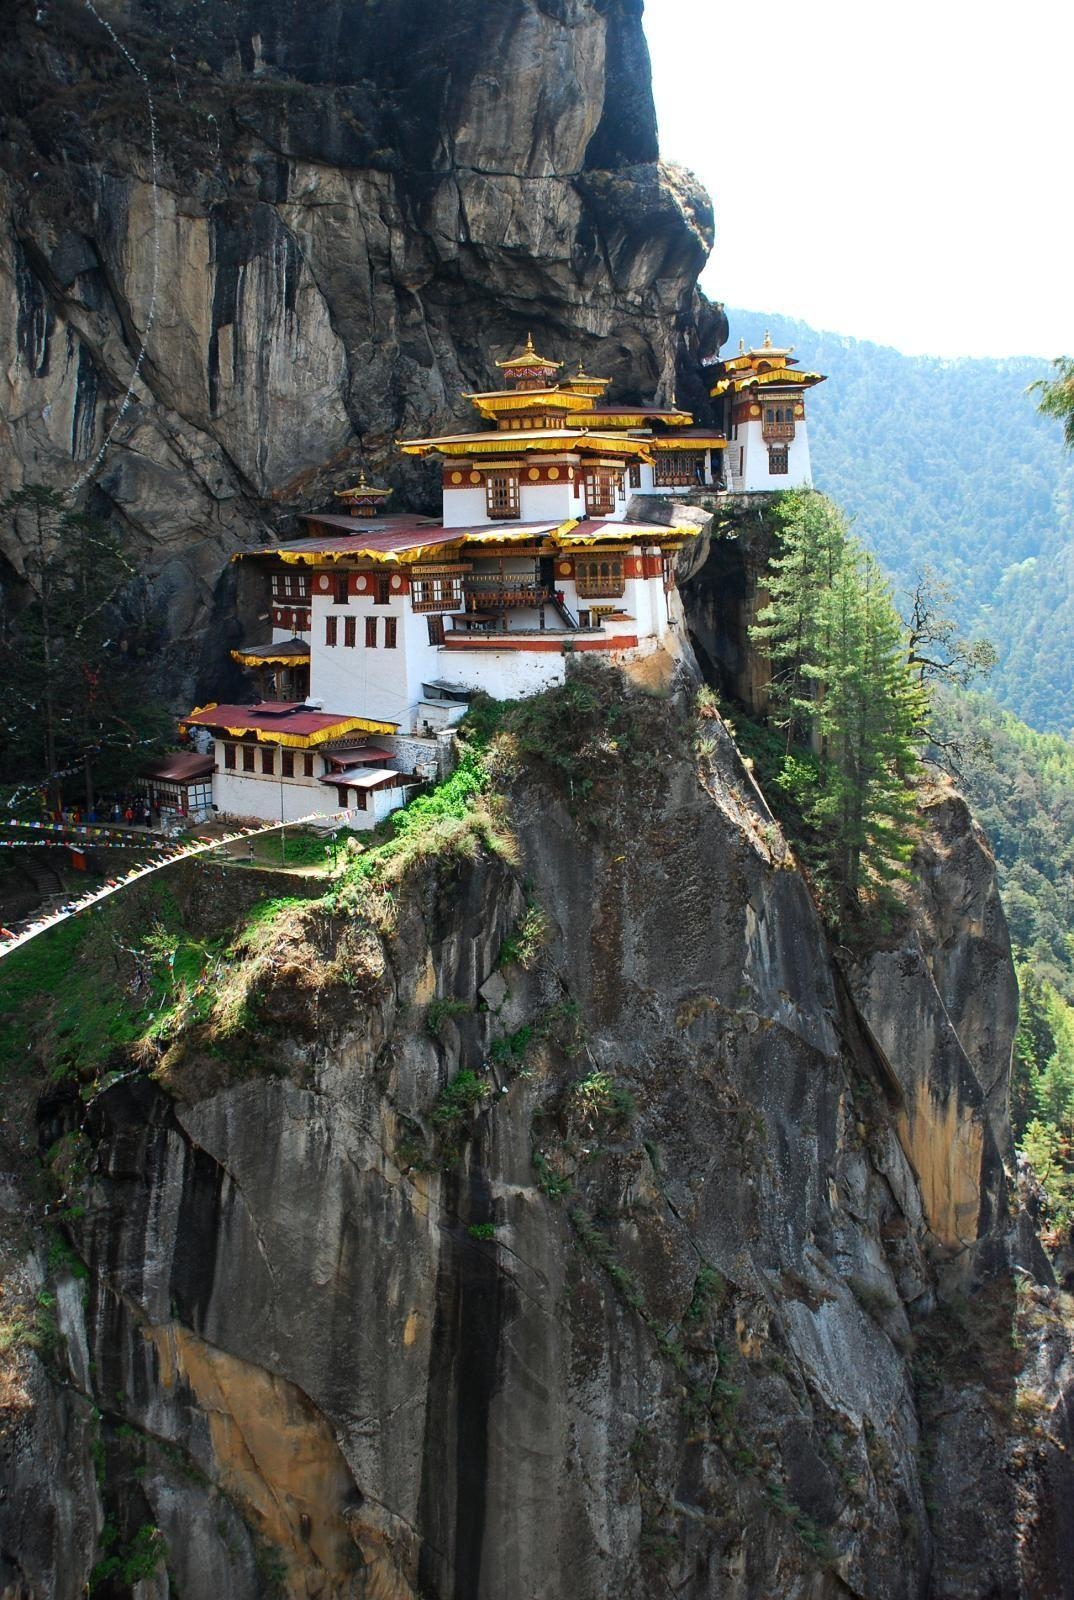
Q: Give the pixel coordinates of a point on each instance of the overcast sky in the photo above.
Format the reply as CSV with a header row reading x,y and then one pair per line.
x,y
899,173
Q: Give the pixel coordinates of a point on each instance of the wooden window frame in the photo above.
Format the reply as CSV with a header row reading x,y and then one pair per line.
x,y
371,633
350,630
249,753
229,758
287,763
778,460
502,496
307,765
382,590
435,624
331,631
593,583
268,761
678,468
341,588
599,485
391,633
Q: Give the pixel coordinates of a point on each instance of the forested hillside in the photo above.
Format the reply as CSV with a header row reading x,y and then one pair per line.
x,y
948,463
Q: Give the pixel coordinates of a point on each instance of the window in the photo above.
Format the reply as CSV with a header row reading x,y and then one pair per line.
x,y
247,758
599,577
371,633
635,475
361,799
678,466
777,460
600,490
229,758
350,625
438,592
307,766
341,791
436,629
268,761
501,495
391,632
778,422
341,588
329,630
287,763
384,591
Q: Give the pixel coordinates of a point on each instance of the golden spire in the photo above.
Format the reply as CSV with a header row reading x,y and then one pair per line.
x,y
767,340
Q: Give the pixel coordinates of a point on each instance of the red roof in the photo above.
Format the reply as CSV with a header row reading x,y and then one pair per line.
x,y
181,767
286,723
376,535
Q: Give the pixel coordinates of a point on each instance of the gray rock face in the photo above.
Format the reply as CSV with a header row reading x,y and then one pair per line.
x,y
356,210
644,1317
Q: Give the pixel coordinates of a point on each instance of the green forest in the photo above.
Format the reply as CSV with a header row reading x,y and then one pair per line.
x,y
949,464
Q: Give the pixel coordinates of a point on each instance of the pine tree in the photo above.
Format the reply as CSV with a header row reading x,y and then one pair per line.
x,y
841,686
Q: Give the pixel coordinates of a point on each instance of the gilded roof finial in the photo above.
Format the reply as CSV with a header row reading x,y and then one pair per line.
x,y
767,340
742,347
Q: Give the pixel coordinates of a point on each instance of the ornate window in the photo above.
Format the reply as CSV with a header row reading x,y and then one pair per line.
x,y
778,422
437,592
501,495
600,487
777,460
599,577
290,585
678,467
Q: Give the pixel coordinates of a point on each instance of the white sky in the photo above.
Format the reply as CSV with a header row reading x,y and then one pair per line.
x,y
898,173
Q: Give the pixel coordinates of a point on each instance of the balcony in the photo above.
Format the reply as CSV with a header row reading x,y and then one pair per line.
x,y
495,594
777,432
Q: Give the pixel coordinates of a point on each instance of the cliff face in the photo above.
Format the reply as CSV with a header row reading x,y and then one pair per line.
x,y
327,227
702,1283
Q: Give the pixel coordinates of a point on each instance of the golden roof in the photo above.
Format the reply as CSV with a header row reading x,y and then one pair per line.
x,y
522,440
528,361
362,491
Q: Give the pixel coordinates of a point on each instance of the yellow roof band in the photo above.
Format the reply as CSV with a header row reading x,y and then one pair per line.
x,y
309,741
711,441
622,531
267,661
481,444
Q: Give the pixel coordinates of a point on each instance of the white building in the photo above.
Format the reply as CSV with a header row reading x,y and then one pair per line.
x,y
768,446
383,626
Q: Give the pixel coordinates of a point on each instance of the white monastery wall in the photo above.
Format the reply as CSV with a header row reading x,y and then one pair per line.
x,y
465,508
547,502
504,674
756,475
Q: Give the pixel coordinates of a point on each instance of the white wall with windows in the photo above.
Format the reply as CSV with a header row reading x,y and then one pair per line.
x,y
757,462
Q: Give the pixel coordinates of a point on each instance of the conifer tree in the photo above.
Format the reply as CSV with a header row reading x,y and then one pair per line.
x,y
842,687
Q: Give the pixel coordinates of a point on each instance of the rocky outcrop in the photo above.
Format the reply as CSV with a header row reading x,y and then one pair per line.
x,y
671,1295
244,249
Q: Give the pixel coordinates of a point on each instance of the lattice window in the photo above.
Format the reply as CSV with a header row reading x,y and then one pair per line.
x,y
501,495
678,467
778,422
777,460
443,593
599,577
600,490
